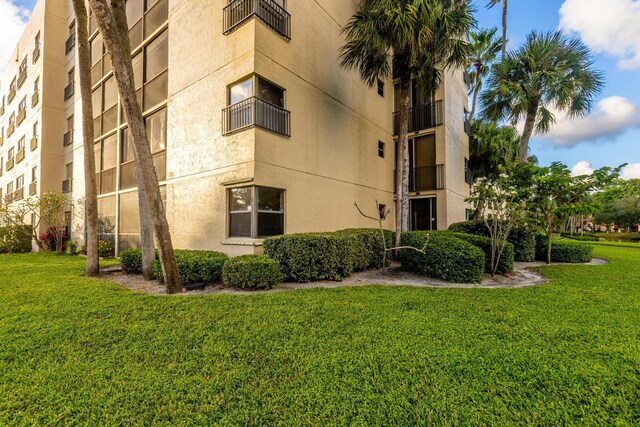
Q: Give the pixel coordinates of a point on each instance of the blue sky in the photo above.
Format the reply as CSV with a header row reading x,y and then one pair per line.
x,y
611,135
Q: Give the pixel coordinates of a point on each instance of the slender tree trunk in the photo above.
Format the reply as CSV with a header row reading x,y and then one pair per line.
x,y
504,28
110,20
90,188
549,239
529,125
476,91
402,162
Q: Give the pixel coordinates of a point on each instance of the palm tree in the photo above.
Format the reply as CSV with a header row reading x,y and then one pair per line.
x,y
484,51
407,39
492,149
551,70
504,23
90,188
111,19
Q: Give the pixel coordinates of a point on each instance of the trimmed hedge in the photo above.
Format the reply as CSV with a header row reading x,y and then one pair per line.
x,y
505,264
131,260
584,238
252,272
370,251
446,257
16,238
315,256
523,240
195,266
3,248
563,252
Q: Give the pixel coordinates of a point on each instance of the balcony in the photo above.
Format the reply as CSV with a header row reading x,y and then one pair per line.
x,y
12,93
273,15
35,98
2,109
467,126
69,44
21,116
18,194
20,155
68,138
8,198
256,112
33,188
11,128
21,78
1,140
34,143
468,176
67,185
68,91
10,163
423,117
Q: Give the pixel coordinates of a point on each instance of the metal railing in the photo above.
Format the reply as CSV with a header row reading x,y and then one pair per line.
x,y
21,116
21,78
18,194
33,188
70,43
34,143
256,112
424,178
35,98
272,14
468,176
12,93
67,185
68,91
36,53
10,163
20,155
467,126
11,128
68,138
422,117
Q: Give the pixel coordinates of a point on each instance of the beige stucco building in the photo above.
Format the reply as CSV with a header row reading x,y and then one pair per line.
x,y
254,127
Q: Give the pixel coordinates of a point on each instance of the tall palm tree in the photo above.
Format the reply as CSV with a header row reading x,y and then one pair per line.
x,y
407,39
550,71
111,19
504,23
492,149
484,51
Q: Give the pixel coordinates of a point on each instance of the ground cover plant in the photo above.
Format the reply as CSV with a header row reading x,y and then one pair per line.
x,y
77,351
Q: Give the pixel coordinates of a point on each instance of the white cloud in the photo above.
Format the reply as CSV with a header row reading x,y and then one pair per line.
x,y
631,171
611,118
582,168
13,19
609,27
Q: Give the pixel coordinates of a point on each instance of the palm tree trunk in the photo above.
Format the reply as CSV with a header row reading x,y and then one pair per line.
x,y
529,125
504,28
90,188
402,162
111,21
476,91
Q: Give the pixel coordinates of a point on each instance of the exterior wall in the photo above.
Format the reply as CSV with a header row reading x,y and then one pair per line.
x,y
48,18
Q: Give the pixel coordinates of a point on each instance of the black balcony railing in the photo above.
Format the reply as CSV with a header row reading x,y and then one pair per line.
x,y
68,91
467,126
468,176
256,112
272,14
424,178
67,185
68,138
422,117
70,43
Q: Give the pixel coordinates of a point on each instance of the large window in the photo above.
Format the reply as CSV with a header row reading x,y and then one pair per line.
x,y
129,218
256,212
107,219
105,110
106,160
144,18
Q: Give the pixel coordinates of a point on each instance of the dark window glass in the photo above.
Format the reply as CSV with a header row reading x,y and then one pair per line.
x,y
381,149
259,206
155,17
269,92
269,199
270,224
157,131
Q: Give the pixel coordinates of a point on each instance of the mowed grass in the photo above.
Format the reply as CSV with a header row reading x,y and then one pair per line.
x,y
77,351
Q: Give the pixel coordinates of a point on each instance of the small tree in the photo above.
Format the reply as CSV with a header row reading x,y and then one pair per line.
x,y
499,203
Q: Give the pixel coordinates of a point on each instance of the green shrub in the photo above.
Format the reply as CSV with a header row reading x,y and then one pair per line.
x,y
523,240
505,264
3,248
105,248
16,238
563,252
72,247
315,256
195,266
370,251
446,257
252,272
584,238
131,260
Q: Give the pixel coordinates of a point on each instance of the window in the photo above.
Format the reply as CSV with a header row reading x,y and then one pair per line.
x,y
145,19
382,211
381,146
68,90
381,88
34,174
68,136
71,40
468,175
21,144
22,73
69,170
256,212
13,87
100,61
155,85
10,189
255,101
19,182
106,159
67,224
36,92
35,129
36,48
67,184
107,219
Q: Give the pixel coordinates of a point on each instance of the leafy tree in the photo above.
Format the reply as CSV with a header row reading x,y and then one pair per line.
x,y
620,204
111,19
551,70
407,39
484,50
492,149
504,22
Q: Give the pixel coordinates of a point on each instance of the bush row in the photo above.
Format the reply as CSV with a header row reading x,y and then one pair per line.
x,y
326,256
563,252
581,237
15,239
195,266
505,263
446,257
523,240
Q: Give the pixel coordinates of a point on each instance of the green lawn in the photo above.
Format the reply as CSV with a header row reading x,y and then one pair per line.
x,y
76,351
628,237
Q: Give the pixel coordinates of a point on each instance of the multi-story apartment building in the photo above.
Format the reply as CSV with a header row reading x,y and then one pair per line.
x,y
254,127
32,105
